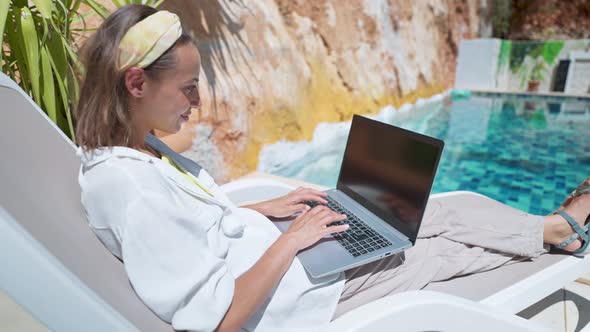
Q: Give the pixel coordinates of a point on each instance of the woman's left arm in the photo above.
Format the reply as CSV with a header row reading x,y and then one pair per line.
x,y
289,204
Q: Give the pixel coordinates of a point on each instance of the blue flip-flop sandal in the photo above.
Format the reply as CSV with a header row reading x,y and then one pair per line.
x,y
581,232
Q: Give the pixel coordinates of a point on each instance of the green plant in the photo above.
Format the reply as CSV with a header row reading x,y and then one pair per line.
x,y
40,54
538,70
532,69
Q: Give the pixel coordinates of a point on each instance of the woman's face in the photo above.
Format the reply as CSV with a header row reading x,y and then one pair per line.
x,y
167,102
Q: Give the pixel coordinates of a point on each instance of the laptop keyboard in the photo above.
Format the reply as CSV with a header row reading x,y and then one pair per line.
x,y
359,239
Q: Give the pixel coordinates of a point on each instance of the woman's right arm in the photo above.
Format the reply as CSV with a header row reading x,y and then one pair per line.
x,y
254,286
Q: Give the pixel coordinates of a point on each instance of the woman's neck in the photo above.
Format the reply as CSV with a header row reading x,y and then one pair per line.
x,y
140,144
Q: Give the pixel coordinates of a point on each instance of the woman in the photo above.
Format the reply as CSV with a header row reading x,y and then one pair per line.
x,y
200,262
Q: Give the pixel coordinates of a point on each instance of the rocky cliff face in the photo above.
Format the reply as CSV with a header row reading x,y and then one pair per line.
x,y
550,20
274,69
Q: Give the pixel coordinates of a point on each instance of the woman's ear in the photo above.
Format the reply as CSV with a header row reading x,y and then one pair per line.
x,y
135,81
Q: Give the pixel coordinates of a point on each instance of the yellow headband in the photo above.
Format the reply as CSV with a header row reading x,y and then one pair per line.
x,y
148,39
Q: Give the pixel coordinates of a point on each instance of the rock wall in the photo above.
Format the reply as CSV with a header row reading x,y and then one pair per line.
x,y
274,69
550,20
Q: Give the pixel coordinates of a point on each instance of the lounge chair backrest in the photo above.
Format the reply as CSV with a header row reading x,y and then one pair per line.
x,y
39,188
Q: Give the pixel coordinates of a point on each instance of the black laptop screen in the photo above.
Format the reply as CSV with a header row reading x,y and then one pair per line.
x,y
390,171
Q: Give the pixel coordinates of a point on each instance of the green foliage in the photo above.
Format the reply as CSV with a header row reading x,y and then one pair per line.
x,y
505,51
538,70
520,50
549,51
38,51
3,14
532,69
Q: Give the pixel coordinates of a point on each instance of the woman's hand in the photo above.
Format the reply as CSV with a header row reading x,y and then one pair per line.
x,y
254,286
289,204
311,226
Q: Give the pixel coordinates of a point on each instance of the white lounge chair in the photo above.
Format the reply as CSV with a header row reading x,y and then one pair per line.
x,y
54,266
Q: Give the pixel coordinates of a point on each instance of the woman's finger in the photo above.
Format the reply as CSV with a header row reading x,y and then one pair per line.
x,y
330,218
301,197
299,208
321,214
310,214
335,229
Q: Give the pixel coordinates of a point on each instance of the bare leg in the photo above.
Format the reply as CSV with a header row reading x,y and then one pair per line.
x,y
568,200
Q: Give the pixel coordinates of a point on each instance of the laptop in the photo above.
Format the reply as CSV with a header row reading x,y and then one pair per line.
x,y
384,183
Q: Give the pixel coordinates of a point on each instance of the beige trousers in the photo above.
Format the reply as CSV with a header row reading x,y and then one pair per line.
x,y
459,235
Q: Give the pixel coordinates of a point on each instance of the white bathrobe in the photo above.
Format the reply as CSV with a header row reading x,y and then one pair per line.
x,y
183,249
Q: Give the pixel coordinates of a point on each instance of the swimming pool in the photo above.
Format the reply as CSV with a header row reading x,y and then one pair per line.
x,y
526,152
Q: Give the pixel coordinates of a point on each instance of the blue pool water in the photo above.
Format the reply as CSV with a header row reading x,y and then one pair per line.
x,y
527,153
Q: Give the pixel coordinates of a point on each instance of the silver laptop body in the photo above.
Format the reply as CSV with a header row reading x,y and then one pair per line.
x,y
385,181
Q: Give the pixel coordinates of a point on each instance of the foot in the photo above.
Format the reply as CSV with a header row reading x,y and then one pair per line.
x,y
557,228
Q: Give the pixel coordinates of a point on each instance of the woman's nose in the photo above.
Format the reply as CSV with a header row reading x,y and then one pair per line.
x,y
195,99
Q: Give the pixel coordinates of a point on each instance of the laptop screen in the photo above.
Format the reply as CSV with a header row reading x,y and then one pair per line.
x,y
390,171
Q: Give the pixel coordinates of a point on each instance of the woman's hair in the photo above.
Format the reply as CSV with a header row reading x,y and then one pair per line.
x,y
103,115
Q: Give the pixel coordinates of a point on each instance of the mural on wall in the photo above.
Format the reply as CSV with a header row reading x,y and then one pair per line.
x,y
541,66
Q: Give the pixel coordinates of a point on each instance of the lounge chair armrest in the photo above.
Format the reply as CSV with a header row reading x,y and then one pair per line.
x,y
430,311
249,191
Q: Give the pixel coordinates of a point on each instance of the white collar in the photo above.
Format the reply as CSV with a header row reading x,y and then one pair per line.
x,y
93,157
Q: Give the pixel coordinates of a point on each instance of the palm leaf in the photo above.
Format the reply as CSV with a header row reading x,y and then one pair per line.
x,y
73,88
63,93
18,57
78,67
4,5
31,43
45,7
98,8
48,86
118,3
74,7
57,53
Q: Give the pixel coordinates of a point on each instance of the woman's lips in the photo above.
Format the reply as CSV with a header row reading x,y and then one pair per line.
x,y
186,116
